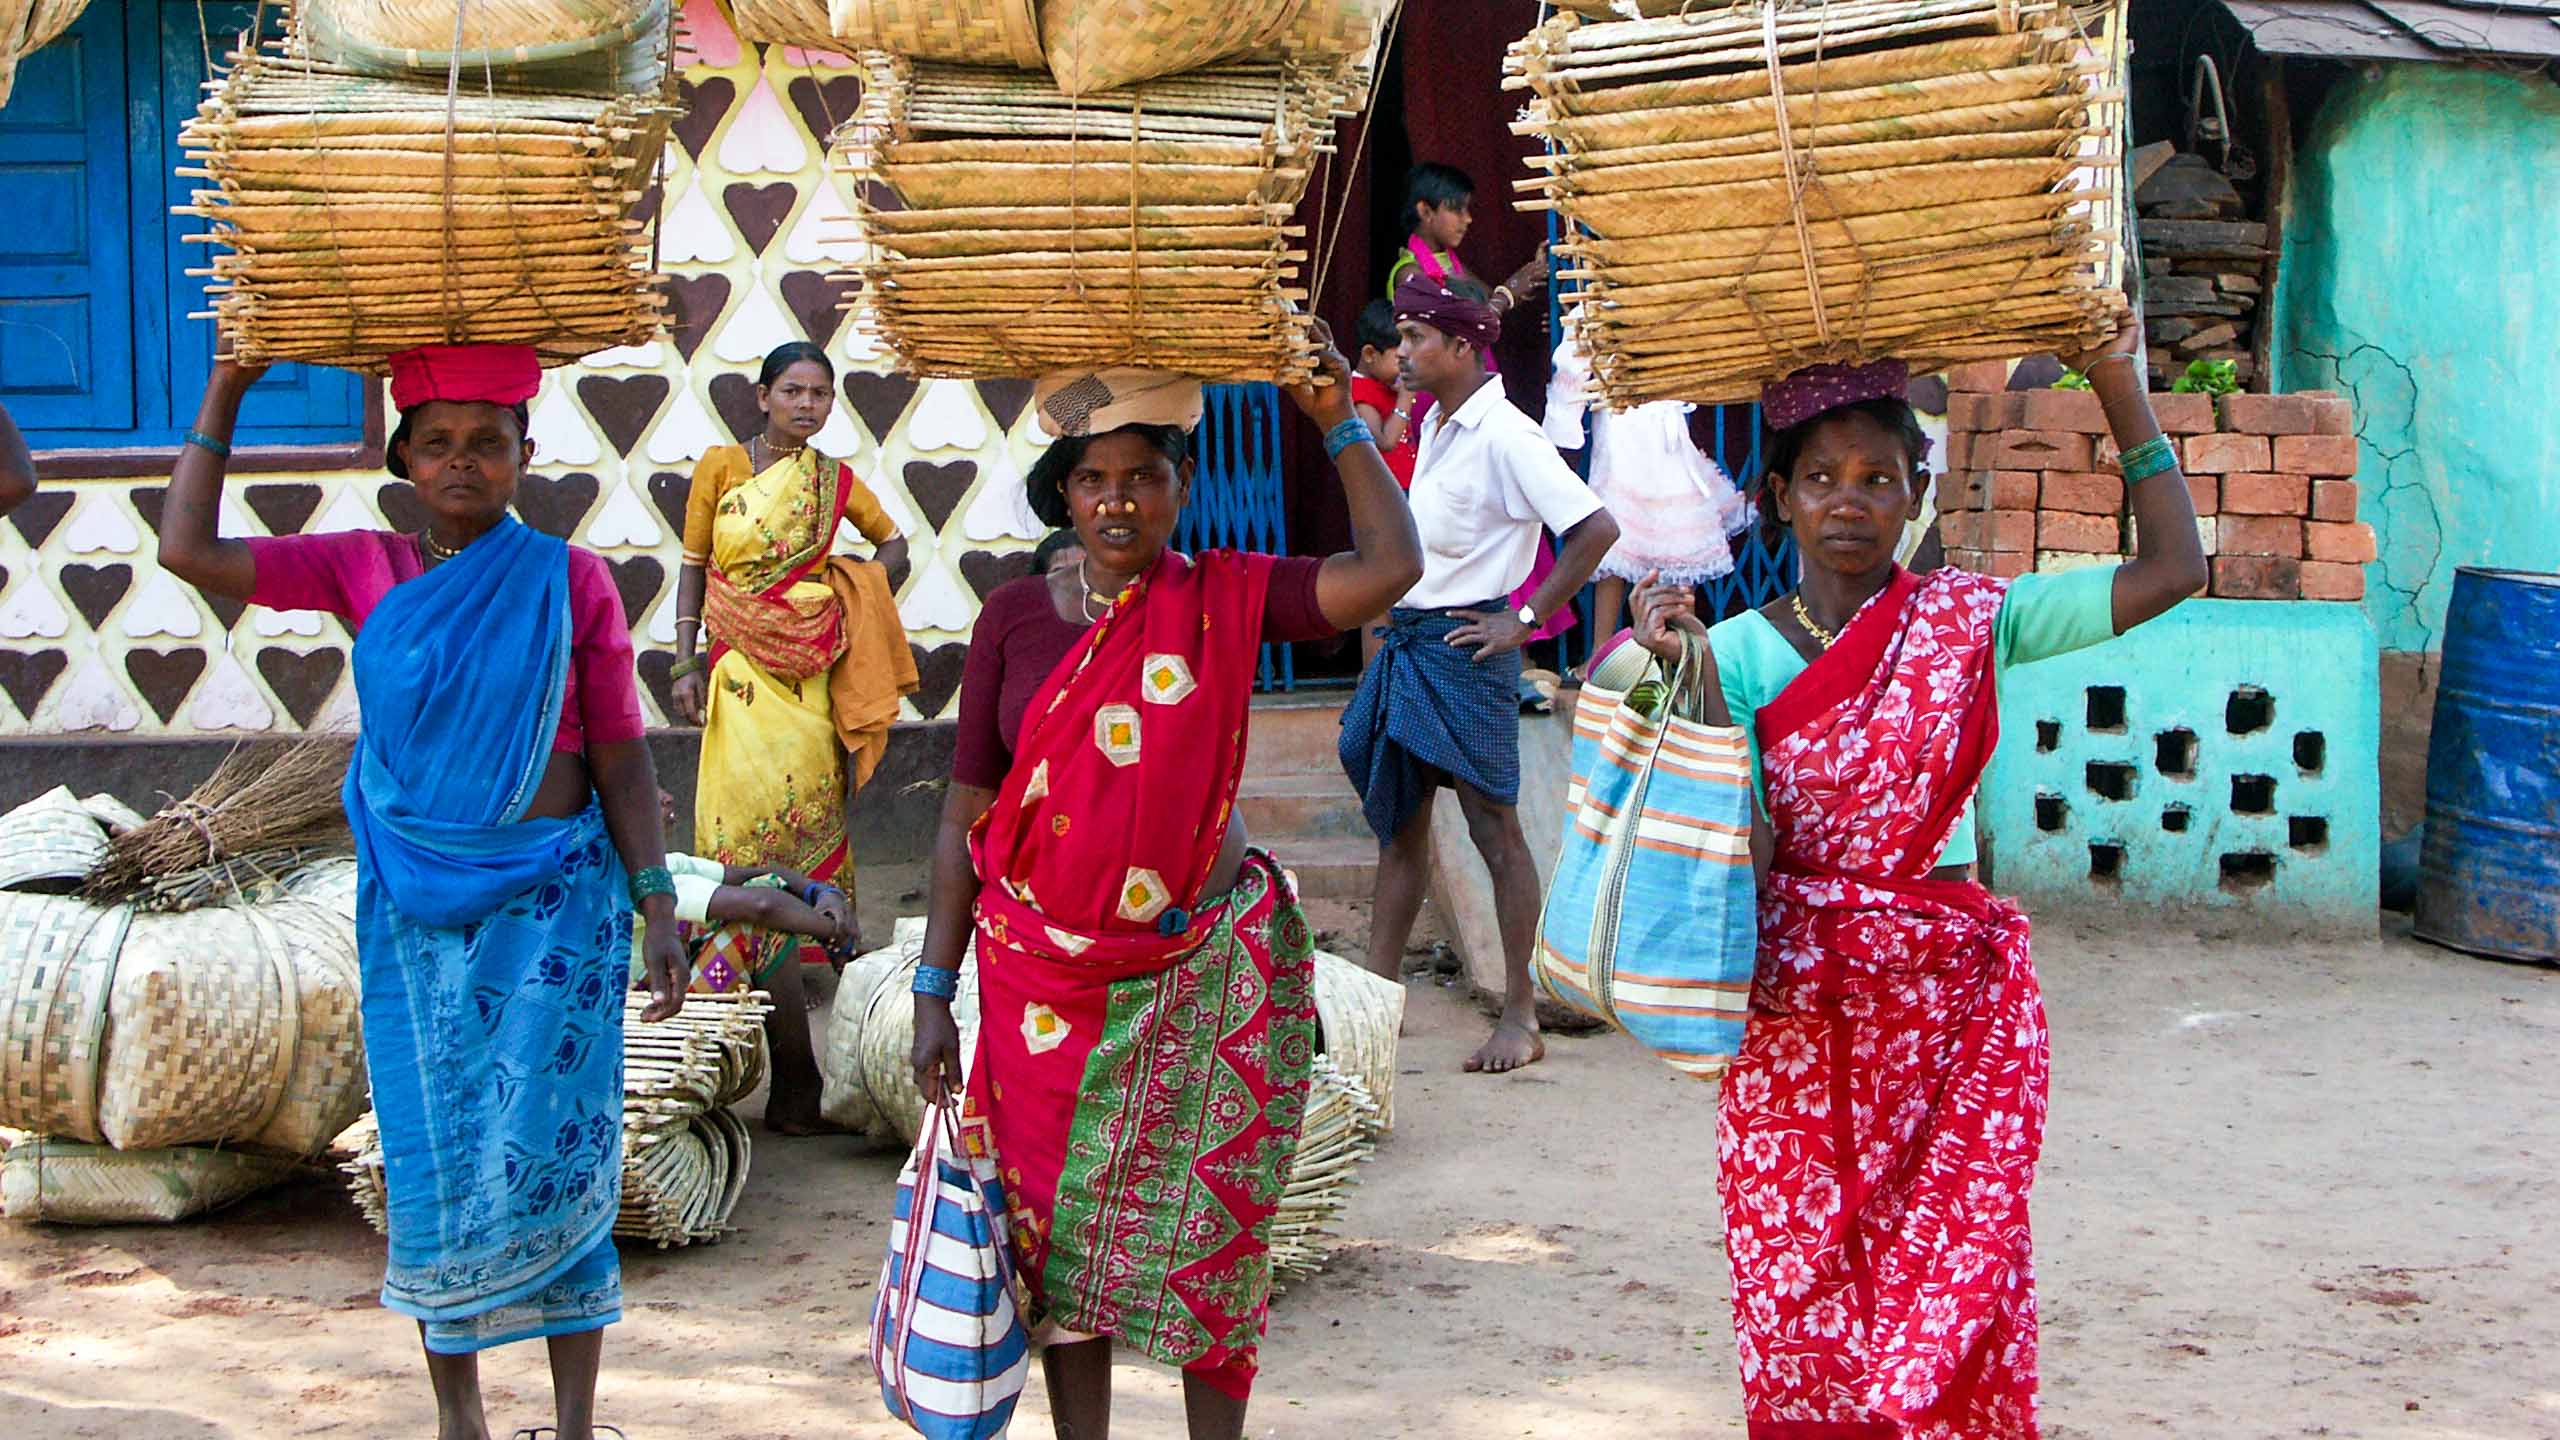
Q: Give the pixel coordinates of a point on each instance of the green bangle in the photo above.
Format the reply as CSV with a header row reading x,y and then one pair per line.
x,y
2152,457
654,880
687,665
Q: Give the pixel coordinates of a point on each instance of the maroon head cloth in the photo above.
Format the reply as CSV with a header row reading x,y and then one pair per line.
x,y
1429,302
493,374
1819,389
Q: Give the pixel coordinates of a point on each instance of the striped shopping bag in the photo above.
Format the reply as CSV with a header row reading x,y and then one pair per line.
x,y
1650,920
947,1338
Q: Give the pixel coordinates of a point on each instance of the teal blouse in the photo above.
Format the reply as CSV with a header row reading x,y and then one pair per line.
x,y
2043,616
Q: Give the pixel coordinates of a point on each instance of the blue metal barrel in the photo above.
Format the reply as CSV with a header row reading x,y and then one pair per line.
x,y
2489,878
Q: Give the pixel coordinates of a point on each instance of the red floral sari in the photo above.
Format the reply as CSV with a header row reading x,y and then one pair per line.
x,y
1143,1055
1880,1129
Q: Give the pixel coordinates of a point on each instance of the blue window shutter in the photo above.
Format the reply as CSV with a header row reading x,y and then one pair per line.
x,y
66,316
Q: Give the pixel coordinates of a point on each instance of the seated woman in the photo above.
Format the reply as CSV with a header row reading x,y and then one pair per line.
x,y
506,823
1146,977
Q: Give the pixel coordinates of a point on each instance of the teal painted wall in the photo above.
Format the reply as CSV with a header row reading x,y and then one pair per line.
x,y
2421,276
2292,787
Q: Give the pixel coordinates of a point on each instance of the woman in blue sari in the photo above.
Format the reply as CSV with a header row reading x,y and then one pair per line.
x,y
506,822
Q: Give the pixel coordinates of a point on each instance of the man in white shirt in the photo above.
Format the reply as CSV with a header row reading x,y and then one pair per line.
x,y
1440,704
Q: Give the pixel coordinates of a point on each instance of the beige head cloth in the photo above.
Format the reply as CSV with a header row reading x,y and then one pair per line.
x,y
1092,402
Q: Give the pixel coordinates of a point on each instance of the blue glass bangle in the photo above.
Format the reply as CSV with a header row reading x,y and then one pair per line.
x,y
1343,436
654,880
937,982
205,442
2152,457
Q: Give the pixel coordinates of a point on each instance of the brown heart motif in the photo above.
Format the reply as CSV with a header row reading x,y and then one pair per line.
x,y
398,502
878,399
1005,399
987,569
825,104
555,506
227,610
669,492
283,509
645,209
696,301
164,677
29,677
150,503
38,514
898,574
2036,372
654,665
817,301
937,677
760,210
734,396
704,107
95,589
638,579
623,407
303,679
1927,394
939,489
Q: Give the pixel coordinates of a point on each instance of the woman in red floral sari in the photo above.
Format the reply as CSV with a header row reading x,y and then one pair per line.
x,y
1144,976
1879,1131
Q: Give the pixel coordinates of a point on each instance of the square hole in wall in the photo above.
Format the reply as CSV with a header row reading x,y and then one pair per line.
x,y
2106,861
2176,818
2249,711
2253,794
2174,754
2247,870
2048,736
2307,833
2051,811
2310,751
2106,709
2110,780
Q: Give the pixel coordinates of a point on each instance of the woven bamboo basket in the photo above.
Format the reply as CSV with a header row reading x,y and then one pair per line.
x,y
493,32
27,26
1748,189
964,32
1010,229
362,214
1096,45
50,843
65,1182
1339,1134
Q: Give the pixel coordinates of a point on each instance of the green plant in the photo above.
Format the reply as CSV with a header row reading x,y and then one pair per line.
x,y
2072,380
2208,377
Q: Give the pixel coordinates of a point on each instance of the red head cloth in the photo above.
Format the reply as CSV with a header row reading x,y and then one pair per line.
x,y
1819,389
493,374
1432,303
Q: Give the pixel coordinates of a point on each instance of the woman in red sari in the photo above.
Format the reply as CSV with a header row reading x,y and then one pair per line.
x,y
1879,1131
1144,975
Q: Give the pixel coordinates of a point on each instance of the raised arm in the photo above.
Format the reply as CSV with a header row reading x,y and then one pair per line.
x,y
1357,585
190,548
2168,563
17,466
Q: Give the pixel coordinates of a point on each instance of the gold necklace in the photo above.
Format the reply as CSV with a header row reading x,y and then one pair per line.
x,y
771,454
1804,617
1084,583
437,551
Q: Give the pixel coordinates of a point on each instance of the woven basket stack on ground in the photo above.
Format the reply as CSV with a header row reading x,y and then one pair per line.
x,y
870,1086
367,206
66,1182
27,26
1010,230
1748,190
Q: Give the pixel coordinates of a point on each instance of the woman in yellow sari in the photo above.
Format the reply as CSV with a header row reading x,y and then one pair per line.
x,y
807,657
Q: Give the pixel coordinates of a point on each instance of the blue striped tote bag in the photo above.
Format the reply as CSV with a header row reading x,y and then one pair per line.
x,y
947,1338
1650,921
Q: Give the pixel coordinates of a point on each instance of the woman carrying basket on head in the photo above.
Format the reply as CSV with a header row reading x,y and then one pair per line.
x,y
1145,977
1879,1130
506,825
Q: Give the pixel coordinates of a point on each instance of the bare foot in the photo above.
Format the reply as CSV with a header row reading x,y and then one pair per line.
x,y
801,1126
1513,1045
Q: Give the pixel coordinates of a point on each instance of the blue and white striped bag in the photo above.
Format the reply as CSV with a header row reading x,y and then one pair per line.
x,y
947,1338
1651,920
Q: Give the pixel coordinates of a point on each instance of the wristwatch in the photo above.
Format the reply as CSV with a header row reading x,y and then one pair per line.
x,y
1529,616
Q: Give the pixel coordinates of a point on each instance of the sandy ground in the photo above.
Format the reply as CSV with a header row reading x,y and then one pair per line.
x,y
2289,1190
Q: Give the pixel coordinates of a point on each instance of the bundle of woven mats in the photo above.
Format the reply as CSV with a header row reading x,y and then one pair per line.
x,y
685,1153
27,26
1010,230
870,1086
369,196
1748,189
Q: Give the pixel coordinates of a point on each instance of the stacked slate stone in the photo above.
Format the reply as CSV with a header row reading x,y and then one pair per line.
x,y
2202,269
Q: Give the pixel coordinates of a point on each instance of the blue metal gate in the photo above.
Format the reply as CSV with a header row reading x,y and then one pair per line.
x,y
1238,500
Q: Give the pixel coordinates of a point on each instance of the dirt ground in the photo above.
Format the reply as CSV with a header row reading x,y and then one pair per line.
x,y
2289,1190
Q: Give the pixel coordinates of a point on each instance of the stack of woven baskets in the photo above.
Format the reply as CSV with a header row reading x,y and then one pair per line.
x,y
684,1151
1128,205
376,189
27,26
870,1084
1747,190
132,1040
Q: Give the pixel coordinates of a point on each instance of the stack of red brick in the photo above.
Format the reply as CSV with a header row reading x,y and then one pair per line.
x,y
2033,484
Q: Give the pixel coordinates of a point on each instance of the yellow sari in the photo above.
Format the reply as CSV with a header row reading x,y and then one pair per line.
x,y
800,672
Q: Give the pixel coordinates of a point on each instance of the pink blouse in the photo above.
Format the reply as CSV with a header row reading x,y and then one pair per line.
x,y
348,573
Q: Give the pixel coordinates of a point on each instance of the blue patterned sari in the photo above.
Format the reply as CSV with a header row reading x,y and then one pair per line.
x,y
493,950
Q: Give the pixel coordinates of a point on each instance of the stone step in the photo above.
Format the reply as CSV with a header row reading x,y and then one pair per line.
x,y
1311,806
1328,868
1295,735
